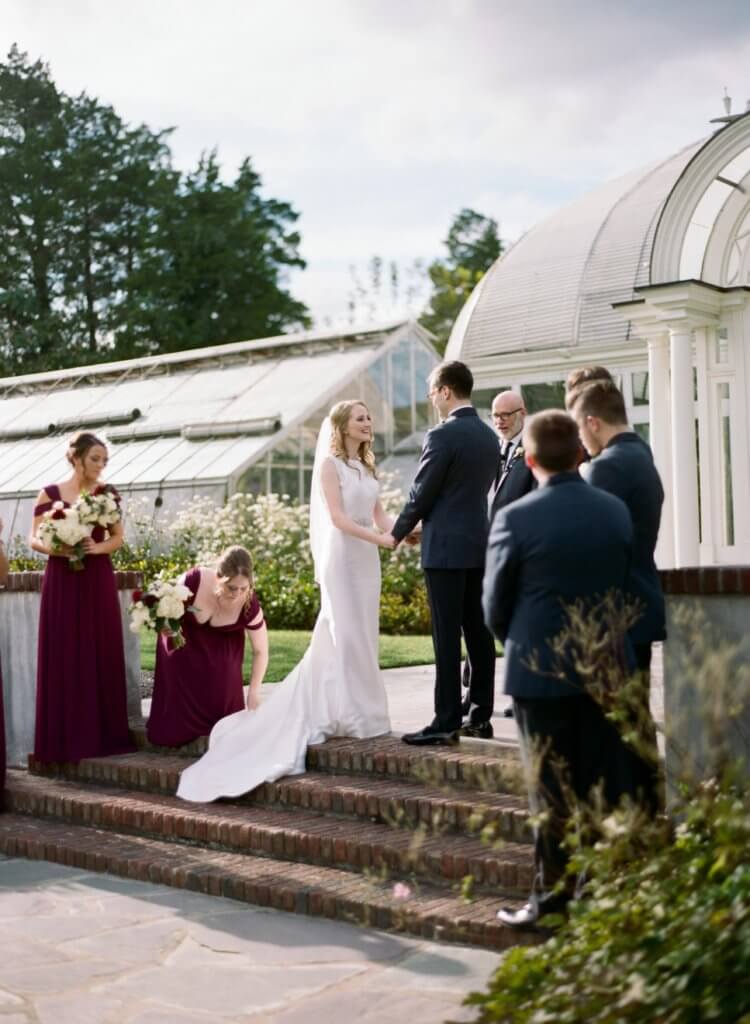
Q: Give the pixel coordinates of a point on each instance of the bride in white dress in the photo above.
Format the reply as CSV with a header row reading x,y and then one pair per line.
x,y
337,689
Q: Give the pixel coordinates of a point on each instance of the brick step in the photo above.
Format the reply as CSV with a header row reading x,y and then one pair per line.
x,y
283,833
487,764
429,911
382,798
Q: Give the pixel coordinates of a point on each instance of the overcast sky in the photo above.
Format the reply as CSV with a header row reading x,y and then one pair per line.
x,y
379,119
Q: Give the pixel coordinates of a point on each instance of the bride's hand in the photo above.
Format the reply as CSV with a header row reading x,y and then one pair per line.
x,y
387,540
253,699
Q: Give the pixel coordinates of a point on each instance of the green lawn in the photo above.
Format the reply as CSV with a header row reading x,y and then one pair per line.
x,y
288,645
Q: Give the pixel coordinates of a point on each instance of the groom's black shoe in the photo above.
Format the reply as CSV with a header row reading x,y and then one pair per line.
x,y
477,730
430,737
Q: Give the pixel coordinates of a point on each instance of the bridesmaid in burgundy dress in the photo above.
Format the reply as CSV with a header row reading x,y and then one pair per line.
x,y
81,698
201,682
3,578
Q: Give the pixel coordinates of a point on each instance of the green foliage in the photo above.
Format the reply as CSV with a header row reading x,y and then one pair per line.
x,y
473,245
662,934
107,252
275,530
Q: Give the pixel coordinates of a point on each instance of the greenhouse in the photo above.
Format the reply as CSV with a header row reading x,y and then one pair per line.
x,y
213,421
650,276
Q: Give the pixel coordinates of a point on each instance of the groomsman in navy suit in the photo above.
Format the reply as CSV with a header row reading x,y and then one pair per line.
x,y
623,464
564,542
449,495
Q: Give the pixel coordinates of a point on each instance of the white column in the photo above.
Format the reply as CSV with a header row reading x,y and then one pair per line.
x,y
660,441
684,461
708,462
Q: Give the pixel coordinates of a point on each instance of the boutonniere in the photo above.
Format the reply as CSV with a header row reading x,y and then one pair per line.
x,y
517,453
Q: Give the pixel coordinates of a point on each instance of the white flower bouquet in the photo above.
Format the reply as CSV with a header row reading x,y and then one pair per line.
x,y
159,608
62,528
100,507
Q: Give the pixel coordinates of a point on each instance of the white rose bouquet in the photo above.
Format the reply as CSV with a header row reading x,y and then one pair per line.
x,y
100,507
62,528
160,607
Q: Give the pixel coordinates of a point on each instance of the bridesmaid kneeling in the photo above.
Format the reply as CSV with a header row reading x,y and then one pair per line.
x,y
201,682
81,696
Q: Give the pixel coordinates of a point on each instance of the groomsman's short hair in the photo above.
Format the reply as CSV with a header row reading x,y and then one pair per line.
x,y
552,438
600,398
580,377
454,375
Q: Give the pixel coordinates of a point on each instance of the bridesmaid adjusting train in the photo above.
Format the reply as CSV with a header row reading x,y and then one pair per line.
x,y
201,682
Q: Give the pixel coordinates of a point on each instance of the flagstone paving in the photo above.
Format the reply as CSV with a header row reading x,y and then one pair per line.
x,y
83,948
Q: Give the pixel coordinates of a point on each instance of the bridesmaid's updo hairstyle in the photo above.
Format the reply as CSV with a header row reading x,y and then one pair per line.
x,y
81,443
339,416
236,561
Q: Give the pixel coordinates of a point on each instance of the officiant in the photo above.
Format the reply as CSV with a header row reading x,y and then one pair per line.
x,y
514,478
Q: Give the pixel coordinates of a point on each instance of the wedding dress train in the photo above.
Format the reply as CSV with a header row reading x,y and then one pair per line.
x,y
336,690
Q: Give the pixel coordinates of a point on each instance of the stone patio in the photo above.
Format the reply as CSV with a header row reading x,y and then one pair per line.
x,y
83,948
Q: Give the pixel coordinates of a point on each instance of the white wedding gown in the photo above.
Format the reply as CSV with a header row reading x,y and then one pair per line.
x,y
336,690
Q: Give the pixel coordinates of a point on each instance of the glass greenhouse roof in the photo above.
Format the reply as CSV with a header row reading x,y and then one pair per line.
x,y
202,415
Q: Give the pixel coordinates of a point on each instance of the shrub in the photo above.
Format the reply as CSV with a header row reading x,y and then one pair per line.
x,y
662,935
275,530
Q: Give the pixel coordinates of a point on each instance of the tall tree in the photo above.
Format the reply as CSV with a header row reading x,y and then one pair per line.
x,y
227,253
105,250
32,147
473,245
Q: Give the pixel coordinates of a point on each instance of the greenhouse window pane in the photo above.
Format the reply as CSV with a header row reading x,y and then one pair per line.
x,y
285,481
700,228
424,363
543,396
640,387
401,386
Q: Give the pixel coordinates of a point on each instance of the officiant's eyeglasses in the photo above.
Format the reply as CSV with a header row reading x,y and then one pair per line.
x,y
505,415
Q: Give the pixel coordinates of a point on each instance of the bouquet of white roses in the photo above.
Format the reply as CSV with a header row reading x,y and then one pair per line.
x,y
62,527
100,507
160,607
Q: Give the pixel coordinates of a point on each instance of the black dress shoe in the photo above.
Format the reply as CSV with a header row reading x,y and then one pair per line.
x,y
532,914
430,737
466,705
477,730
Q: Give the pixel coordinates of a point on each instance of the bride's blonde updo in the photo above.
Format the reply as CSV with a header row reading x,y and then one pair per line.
x,y
339,416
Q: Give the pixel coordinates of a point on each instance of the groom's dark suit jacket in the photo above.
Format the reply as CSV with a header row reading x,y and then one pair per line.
x,y
449,495
562,542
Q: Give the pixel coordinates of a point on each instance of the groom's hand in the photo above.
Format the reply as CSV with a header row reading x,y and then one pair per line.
x,y
413,538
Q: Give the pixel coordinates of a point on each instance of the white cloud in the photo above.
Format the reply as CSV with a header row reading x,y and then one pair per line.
x,y
380,119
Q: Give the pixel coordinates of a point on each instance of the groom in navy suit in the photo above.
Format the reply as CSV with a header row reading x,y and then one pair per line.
x,y
458,464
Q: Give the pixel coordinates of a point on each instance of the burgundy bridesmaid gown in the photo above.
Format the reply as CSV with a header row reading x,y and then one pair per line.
x,y
81,695
196,685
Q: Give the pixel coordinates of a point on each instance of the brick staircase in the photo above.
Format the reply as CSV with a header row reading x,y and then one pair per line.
x,y
368,814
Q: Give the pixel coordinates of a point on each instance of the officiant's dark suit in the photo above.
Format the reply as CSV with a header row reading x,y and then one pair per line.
x,y
513,483
563,542
449,495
